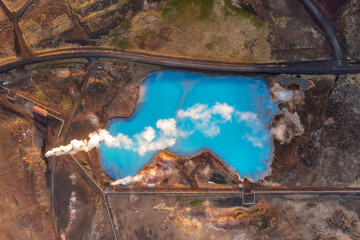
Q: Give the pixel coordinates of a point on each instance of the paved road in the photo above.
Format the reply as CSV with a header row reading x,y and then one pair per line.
x,y
52,197
75,107
91,180
311,67
109,215
317,14
218,191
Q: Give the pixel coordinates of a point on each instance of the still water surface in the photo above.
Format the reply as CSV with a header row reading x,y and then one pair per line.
x,y
227,115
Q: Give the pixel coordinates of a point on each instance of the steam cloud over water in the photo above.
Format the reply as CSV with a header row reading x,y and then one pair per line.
x,y
194,113
282,130
198,118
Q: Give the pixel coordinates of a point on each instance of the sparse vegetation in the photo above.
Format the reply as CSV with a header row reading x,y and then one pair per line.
x,y
120,33
41,96
181,199
150,35
215,41
245,10
66,102
195,28
117,42
239,213
196,202
201,9
210,46
193,202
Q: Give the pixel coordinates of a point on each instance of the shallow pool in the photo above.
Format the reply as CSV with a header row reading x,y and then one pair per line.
x,y
185,113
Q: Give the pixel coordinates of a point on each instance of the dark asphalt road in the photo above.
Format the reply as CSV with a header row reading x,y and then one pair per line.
x,y
310,67
317,14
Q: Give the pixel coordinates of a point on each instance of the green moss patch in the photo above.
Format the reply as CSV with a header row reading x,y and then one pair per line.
x,y
201,9
41,96
66,102
196,202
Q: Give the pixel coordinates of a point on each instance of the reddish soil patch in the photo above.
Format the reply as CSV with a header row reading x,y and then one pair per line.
x,y
330,7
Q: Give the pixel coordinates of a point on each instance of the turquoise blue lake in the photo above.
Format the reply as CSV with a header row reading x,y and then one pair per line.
x,y
186,113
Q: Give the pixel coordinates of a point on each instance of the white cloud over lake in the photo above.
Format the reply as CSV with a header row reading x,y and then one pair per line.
x,y
207,119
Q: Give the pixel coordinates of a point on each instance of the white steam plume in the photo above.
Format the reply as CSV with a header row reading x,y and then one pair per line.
x,y
202,118
285,129
289,125
280,93
292,97
125,181
95,139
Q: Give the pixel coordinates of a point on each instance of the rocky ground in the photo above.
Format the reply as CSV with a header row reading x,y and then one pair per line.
x,y
315,149
345,25
326,153
273,217
344,15
298,152
261,35
341,134
25,202
200,171
197,29
57,86
80,209
316,137
7,44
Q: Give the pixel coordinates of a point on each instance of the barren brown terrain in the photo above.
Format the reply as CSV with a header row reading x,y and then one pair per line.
x,y
25,203
312,189
266,31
